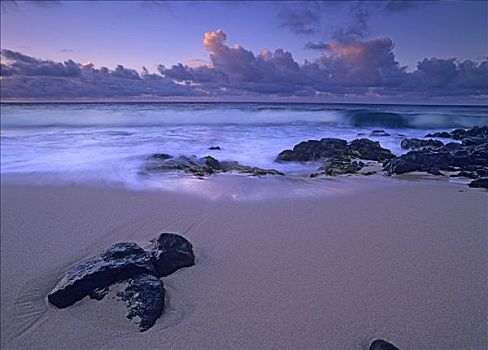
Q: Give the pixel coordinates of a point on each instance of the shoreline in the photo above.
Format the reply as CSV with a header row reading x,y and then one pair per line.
x,y
405,262
226,185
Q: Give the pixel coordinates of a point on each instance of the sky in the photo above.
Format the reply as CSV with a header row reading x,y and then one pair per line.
x,y
311,50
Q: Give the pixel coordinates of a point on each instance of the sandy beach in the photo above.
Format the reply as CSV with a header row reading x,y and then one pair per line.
x,y
406,263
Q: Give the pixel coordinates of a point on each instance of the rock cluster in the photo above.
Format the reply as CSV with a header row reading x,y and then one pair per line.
x,y
461,134
135,269
201,167
468,158
414,143
337,155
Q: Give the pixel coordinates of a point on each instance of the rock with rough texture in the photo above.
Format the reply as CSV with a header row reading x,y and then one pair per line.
x,y
215,148
400,166
171,252
479,183
118,262
475,140
414,143
313,150
467,174
160,156
254,171
370,150
461,134
442,135
197,166
470,157
204,166
336,167
337,155
380,344
330,148
144,297
422,160
458,134
99,293
379,133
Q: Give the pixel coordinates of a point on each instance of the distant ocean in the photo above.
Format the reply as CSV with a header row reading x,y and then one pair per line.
x,y
110,142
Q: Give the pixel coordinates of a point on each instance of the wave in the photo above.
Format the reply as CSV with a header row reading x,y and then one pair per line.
x,y
362,118
426,120
161,115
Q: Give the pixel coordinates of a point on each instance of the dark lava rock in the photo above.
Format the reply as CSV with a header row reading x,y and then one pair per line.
x,y
331,148
475,140
313,150
414,143
144,297
479,183
400,166
204,166
458,134
477,131
215,148
467,174
443,135
461,134
422,160
337,155
452,146
118,262
336,167
99,293
379,133
244,169
371,150
171,252
159,156
380,344
187,164
470,156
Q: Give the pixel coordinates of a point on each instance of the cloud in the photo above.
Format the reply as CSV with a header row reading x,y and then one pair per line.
x,y
308,17
300,18
358,26
344,68
317,46
450,77
363,63
25,65
28,77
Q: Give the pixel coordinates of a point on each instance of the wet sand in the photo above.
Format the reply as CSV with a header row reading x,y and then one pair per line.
x,y
405,262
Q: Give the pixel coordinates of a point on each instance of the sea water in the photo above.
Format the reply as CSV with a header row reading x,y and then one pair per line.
x,y
110,142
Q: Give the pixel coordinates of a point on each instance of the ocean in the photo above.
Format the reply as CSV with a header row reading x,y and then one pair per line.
x,y
110,142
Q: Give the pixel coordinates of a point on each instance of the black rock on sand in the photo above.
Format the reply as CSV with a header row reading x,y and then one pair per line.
x,y
134,269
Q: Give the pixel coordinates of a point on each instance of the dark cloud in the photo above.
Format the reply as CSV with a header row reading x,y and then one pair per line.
x,y
300,18
350,67
307,17
357,28
27,77
317,46
25,65
450,77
